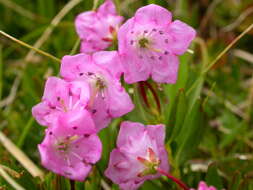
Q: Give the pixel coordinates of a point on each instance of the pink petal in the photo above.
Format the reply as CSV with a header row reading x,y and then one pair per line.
x,y
90,149
182,35
107,8
54,88
157,132
166,71
78,120
71,66
109,60
119,101
40,111
153,14
129,129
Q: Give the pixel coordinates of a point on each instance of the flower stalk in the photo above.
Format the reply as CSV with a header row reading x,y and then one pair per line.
x,y
177,181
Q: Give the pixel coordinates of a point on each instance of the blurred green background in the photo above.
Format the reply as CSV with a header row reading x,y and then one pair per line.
x,y
209,125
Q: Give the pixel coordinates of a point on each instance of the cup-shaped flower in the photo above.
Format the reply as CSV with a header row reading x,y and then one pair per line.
x,y
69,149
203,186
98,29
140,152
150,43
101,70
60,96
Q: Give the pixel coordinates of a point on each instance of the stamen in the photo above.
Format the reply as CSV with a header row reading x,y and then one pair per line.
x,y
64,106
103,94
160,32
76,104
77,156
70,101
80,74
166,52
107,39
154,49
166,41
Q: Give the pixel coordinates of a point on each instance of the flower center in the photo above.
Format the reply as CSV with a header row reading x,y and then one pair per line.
x,y
151,163
63,145
143,42
100,84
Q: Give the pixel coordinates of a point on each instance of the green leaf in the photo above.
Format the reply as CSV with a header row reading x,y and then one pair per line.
x,y
190,134
234,185
180,111
212,177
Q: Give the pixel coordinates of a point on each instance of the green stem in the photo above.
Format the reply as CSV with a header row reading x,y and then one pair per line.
x,y
30,47
24,133
220,55
1,72
75,47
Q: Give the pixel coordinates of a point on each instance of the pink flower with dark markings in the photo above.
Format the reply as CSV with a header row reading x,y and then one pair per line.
x,y
61,96
101,71
149,44
98,29
140,151
204,186
70,148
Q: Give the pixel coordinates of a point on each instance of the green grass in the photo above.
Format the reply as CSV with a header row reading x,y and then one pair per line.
x,y
208,112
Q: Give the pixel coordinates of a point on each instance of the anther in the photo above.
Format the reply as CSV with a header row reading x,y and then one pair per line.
x,y
160,32
80,74
166,52
166,41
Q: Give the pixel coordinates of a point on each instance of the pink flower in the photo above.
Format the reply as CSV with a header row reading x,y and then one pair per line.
x,y
98,29
101,70
61,96
69,149
140,151
150,43
204,186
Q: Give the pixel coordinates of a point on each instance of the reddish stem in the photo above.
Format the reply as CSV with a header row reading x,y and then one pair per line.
x,y
143,93
177,181
154,95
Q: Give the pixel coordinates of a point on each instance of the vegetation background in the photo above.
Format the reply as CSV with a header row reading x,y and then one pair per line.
x,y
208,112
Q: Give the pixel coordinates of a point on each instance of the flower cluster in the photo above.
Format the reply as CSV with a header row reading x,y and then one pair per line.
x,y
88,94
